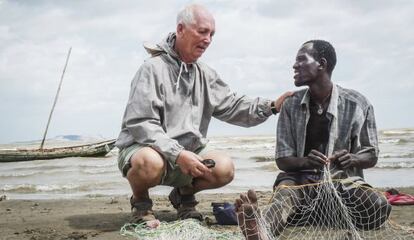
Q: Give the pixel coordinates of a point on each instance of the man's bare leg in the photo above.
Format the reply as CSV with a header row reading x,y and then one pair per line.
x,y
246,209
221,174
147,167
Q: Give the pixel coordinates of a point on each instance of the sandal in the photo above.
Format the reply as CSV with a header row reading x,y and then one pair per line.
x,y
142,212
185,205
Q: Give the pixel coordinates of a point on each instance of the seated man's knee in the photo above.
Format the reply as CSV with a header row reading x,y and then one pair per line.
x,y
376,214
380,206
383,207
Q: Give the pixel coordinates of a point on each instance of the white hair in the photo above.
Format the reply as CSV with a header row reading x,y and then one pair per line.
x,y
186,16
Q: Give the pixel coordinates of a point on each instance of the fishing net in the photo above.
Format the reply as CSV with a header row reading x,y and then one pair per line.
x,y
329,209
184,230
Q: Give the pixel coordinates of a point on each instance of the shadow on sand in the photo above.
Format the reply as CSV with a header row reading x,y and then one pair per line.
x,y
108,222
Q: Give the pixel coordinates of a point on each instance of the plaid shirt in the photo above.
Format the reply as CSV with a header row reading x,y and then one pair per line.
x,y
352,125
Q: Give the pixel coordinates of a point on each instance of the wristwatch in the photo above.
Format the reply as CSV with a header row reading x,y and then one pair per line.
x,y
273,108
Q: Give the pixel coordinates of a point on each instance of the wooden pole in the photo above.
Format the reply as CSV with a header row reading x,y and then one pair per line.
x,y
56,97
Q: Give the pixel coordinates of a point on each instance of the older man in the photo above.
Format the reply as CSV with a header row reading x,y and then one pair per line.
x,y
172,99
322,124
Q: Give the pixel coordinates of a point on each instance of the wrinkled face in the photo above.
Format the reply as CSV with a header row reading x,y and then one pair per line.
x,y
195,38
305,67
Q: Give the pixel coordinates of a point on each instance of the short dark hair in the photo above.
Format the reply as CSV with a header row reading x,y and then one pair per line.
x,y
323,49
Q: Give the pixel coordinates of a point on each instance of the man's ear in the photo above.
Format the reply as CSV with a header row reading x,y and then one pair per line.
x,y
180,28
322,64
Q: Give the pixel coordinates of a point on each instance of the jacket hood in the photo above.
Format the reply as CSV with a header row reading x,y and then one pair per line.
x,y
165,46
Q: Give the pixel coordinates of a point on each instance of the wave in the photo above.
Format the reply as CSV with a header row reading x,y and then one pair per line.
x,y
36,172
46,172
33,188
247,147
389,140
263,158
18,174
55,167
42,168
397,141
404,131
270,167
246,140
398,155
395,165
99,171
99,165
53,188
388,165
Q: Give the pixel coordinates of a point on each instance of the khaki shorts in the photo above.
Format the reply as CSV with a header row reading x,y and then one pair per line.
x,y
172,176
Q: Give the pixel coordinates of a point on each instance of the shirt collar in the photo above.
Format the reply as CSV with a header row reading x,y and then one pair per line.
x,y
333,102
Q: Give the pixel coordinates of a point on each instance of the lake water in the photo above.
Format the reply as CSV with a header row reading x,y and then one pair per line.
x,y
253,157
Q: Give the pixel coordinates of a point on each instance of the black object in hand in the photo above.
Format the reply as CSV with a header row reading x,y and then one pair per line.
x,y
210,163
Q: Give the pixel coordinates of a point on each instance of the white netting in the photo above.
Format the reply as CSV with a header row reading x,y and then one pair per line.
x,y
330,209
339,209
179,230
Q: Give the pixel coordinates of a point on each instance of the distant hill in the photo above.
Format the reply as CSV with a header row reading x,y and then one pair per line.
x,y
68,137
65,138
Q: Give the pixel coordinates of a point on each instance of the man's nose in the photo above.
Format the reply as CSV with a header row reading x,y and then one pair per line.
x,y
207,39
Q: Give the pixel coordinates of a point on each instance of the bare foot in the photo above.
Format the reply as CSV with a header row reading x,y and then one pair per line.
x,y
246,207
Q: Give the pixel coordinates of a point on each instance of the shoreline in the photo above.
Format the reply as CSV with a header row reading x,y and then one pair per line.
x,y
102,217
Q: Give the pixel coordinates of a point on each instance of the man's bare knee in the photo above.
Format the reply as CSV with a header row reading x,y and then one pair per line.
x,y
224,170
383,208
146,163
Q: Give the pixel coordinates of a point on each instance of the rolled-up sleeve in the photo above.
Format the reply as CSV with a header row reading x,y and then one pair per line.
x,y
237,109
142,116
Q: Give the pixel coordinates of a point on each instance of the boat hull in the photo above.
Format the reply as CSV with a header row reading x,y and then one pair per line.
x,y
88,150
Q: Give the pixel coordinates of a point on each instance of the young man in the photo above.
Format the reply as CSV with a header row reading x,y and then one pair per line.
x,y
172,100
322,124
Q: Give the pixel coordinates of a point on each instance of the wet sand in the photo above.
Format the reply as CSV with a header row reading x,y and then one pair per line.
x,y
103,217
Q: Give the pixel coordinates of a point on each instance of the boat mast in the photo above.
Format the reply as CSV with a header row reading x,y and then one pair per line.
x,y
56,97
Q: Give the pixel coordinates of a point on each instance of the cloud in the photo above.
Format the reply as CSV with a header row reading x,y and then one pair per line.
x,y
253,50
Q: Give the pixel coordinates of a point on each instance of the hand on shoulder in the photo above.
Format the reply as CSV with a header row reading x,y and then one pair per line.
x,y
277,104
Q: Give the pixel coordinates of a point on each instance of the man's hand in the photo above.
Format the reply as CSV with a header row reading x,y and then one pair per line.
x,y
316,159
190,164
343,159
279,101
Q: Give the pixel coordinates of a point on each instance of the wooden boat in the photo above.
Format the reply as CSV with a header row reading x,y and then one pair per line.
x,y
98,149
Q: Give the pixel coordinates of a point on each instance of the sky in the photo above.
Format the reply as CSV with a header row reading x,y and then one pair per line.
x,y
253,50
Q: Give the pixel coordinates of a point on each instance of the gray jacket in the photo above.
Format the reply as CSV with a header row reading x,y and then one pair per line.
x,y
171,103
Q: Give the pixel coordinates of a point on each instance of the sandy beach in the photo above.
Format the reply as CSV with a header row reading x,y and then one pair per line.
x,y
102,218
